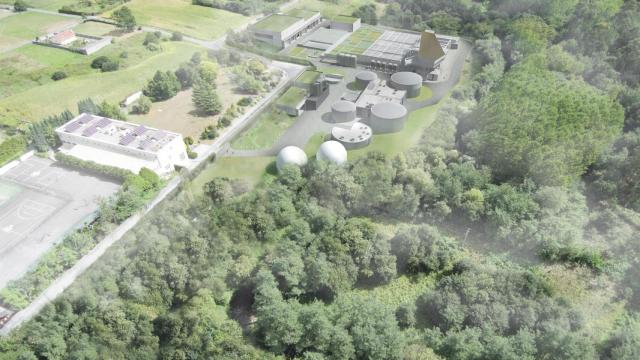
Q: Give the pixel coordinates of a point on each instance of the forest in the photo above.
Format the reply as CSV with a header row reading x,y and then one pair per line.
x,y
513,235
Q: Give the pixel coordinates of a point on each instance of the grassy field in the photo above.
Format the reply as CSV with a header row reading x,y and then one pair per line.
x,y
332,9
53,5
402,290
19,28
95,28
250,169
180,15
425,94
30,66
54,97
265,131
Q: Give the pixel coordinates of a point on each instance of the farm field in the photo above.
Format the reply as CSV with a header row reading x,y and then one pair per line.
x,y
181,16
30,66
19,28
41,101
266,130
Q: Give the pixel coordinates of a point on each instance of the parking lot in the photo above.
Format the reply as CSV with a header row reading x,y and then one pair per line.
x,y
40,201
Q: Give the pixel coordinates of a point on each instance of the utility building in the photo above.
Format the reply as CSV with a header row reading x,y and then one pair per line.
x,y
122,144
280,30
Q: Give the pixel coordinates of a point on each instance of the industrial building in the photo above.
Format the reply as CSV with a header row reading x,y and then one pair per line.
x,y
356,137
309,90
122,144
375,93
291,155
343,111
387,117
391,51
280,30
407,81
346,23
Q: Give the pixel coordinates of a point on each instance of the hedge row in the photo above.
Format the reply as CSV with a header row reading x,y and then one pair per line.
x,y
110,171
12,148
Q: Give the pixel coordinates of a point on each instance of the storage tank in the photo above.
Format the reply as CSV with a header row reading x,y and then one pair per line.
x,y
356,137
365,78
332,151
387,117
291,155
343,111
409,81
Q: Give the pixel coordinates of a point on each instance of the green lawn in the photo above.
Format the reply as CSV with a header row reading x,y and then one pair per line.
x,y
54,97
359,41
265,131
18,28
402,290
180,15
425,94
32,65
250,169
292,97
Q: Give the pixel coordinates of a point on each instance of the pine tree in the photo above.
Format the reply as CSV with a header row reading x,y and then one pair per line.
x,y
88,106
206,99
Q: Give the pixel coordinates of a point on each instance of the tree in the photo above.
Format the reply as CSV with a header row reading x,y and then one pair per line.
x,y
208,72
187,75
520,133
124,18
367,13
142,106
20,5
163,86
111,111
205,98
88,106
58,75
99,61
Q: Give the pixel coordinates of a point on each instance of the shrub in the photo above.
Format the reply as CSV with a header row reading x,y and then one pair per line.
x,y
58,75
110,66
143,106
20,5
245,101
176,36
209,132
99,61
110,171
188,140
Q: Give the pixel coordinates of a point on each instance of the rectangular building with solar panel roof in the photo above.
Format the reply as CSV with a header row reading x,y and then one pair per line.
x,y
122,144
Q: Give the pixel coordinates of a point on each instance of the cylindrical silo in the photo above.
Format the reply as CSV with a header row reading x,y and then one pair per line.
x,y
387,117
343,111
365,78
409,81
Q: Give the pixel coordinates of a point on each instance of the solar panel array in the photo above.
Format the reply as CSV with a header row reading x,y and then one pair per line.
x,y
90,131
103,123
127,139
392,45
139,130
72,127
85,118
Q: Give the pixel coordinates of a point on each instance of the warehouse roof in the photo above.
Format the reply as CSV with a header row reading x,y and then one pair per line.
x,y
276,22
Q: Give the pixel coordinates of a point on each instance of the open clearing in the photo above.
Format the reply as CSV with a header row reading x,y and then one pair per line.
x,y
249,169
21,27
39,202
54,97
95,28
271,123
330,9
181,16
177,114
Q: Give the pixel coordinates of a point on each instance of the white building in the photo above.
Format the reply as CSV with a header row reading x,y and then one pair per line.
x,y
122,144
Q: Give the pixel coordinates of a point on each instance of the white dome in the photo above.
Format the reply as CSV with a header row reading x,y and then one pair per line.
x,y
332,151
291,155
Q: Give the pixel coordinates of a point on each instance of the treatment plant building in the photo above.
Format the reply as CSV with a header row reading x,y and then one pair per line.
x,y
122,144
280,30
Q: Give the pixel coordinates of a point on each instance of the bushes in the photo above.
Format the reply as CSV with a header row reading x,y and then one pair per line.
x,y
58,75
143,106
105,64
110,171
12,148
574,254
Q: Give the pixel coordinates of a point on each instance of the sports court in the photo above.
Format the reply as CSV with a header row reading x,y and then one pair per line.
x,y
40,201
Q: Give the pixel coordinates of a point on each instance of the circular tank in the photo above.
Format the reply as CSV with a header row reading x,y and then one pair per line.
x,y
409,81
332,151
356,137
365,78
343,111
387,117
291,155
